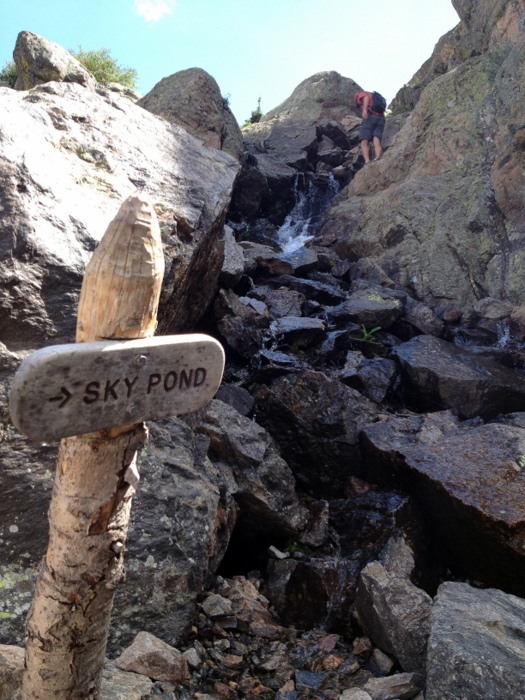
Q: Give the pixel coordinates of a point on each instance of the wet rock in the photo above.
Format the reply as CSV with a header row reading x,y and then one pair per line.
x,y
468,480
422,318
331,352
39,60
298,332
316,422
241,325
154,658
365,523
438,375
401,686
317,530
284,302
306,593
314,291
476,646
263,260
265,489
376,377
395,615
265,188
303,260
328,153
310,590
371,308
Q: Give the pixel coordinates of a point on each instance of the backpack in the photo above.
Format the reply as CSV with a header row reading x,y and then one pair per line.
x,y
379,103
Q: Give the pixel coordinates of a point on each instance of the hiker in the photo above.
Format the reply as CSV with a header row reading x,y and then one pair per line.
x,y
372,106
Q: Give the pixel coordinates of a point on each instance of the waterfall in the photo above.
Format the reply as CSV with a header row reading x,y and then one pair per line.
x,y
311,200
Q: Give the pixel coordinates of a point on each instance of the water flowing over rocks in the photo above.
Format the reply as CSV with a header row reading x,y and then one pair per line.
x,y
329,526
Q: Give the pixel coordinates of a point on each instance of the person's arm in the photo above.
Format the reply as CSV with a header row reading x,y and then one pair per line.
x,y
366,101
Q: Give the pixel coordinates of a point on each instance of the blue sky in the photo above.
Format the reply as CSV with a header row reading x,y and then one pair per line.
x,y
252,49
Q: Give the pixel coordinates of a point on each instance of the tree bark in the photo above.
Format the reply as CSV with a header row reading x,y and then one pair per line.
x,y
96,477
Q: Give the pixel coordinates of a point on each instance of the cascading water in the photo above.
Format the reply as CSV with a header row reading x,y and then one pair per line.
x,y
311,200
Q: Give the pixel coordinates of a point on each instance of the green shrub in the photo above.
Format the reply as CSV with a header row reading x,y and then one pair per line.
x,y
255,115
105,68
8,73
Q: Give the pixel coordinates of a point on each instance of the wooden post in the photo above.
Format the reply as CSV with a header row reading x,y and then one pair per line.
x,y
95,480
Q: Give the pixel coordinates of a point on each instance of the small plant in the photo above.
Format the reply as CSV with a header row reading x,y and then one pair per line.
x,y
105,68
255,115
369,334
226,100
294,546
8,73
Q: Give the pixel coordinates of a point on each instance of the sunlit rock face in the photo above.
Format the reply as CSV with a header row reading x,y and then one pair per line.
x,y
442,211
192,99
482,26
69,156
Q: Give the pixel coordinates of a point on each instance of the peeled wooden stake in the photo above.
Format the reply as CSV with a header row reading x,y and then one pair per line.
x,y
95,480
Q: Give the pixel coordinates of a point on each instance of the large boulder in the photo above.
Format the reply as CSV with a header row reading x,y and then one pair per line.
x,y
265,487
468,481
438,375
316,422
395,614
39,60
68,157
476,646
323,96
192,99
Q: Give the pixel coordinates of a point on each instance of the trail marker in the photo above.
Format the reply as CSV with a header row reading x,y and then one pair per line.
x,y
66,390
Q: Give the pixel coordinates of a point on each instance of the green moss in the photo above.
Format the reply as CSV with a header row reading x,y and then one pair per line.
x,y
10,578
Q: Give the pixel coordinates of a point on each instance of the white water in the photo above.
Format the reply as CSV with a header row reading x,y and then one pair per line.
x,y
310,201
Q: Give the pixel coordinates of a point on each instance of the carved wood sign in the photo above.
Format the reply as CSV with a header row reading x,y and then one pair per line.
x,y
67,390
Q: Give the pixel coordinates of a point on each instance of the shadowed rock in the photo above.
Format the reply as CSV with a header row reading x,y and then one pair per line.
x,y
438,375
316,423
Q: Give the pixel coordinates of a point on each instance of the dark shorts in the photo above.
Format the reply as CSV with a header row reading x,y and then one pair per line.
x,y
372,126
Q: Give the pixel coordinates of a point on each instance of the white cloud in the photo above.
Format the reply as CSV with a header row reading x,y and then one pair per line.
x,y
153,10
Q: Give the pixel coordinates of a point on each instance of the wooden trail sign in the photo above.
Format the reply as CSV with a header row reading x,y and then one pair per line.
x,y
115,377
69,390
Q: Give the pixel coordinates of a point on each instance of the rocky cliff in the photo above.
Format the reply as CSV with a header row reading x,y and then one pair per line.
x,y
355,454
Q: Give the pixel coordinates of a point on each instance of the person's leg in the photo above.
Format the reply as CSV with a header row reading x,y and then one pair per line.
x,y
365,136
378,149
365,150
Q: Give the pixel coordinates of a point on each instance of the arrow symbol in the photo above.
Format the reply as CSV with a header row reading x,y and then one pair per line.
x,y
63,397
